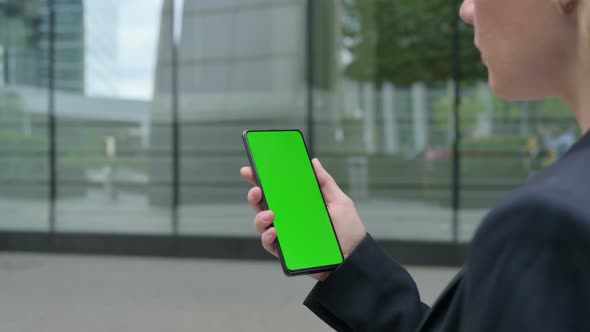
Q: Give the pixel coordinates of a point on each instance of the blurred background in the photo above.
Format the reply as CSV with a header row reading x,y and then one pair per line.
x,y
120,126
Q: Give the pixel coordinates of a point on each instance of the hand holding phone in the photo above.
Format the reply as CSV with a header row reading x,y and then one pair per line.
x,y
345,219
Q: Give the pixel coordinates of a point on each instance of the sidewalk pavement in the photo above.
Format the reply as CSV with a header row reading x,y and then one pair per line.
x,y
70,293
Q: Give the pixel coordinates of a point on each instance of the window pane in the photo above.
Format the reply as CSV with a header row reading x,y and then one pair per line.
x,y
381,69
237,72
24,180
504,144
113,176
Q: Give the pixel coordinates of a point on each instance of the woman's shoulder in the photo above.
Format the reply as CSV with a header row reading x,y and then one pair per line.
x,y
569,176
562,188
553,206
541,211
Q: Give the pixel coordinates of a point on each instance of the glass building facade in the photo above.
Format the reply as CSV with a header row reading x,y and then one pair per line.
x,y
121,133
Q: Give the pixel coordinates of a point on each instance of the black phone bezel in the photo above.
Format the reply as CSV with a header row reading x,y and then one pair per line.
x,y
286,271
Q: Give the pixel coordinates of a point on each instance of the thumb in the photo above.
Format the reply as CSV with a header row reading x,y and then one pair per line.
x,y
329,187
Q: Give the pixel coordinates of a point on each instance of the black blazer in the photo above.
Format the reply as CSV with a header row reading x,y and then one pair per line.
x,y
528,270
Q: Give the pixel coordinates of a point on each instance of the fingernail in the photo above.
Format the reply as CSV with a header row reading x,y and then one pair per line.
x,y
266,215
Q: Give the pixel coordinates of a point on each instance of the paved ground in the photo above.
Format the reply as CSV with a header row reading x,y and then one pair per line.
x,y
87,293
390,219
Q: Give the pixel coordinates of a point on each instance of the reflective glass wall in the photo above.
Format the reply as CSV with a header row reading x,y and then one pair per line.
x,y
117,123
76,93
24,134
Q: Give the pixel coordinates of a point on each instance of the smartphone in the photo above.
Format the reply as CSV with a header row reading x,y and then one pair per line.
x,y
306,239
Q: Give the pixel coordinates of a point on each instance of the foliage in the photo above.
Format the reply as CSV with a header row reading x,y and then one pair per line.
x,y
11,107
495,143
78,149
403,42
471,106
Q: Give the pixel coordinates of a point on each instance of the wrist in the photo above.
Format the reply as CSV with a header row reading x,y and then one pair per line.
x,y
354,244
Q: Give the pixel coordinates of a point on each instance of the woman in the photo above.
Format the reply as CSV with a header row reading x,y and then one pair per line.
x,y
529,267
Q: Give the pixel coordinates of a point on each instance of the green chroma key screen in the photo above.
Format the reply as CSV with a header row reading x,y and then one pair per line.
x,y
304,230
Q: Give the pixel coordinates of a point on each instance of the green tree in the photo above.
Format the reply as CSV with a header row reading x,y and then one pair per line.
x,y
403,42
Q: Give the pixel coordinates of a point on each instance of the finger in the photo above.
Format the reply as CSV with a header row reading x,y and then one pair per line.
x,y
329,187
255,199
268,241
247,174
263,220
